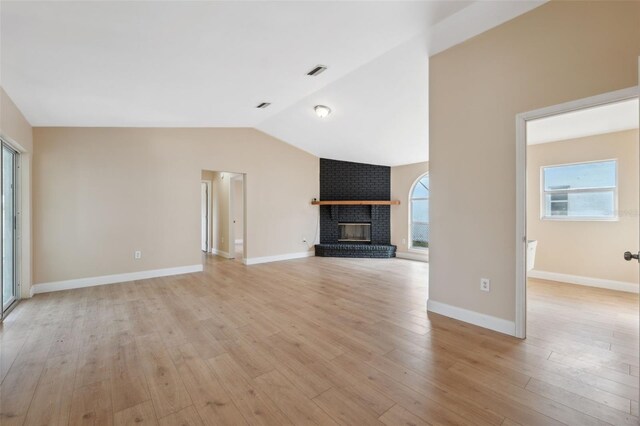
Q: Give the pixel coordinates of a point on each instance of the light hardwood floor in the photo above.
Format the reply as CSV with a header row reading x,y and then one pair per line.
x,y
312,341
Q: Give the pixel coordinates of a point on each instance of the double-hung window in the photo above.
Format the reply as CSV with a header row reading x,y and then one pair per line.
x,y
580,191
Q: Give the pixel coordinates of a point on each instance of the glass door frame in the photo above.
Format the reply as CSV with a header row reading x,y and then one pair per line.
x,y
7,306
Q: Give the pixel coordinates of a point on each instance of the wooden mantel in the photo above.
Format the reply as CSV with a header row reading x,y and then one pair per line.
x,y
356,203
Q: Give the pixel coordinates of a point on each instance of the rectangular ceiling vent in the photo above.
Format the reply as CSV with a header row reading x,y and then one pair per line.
x,y
319,69
264,105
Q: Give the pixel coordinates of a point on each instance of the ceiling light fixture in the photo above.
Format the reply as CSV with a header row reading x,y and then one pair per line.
x,y
322,111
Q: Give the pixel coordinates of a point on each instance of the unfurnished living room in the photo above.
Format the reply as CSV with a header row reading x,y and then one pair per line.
x,y
319,212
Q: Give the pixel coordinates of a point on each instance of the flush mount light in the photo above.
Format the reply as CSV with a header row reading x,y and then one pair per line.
x,y
322,111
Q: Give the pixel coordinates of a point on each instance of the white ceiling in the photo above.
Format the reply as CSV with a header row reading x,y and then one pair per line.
x,y
208,64
614,117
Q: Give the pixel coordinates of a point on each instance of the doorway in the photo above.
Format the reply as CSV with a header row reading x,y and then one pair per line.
x,y
577,207
205,208
222,214
9,296
236,203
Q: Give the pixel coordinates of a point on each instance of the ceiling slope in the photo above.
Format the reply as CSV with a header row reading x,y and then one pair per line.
x,y
209,64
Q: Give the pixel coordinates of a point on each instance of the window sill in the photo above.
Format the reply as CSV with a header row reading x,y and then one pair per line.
x,y
418,250
580,219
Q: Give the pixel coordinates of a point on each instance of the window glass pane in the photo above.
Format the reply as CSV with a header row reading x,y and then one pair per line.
x,y
577,176
581,204
420,214
421,190
420,210
419,235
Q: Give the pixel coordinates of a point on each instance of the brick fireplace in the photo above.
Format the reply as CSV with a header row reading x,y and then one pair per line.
x,y
370,224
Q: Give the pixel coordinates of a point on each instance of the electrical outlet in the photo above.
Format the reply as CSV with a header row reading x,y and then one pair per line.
x,y
137,254
485,284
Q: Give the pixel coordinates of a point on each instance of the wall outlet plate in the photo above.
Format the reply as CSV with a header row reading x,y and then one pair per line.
x,y
485,284
137,254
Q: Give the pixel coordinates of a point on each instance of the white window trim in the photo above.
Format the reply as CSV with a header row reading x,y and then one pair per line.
x,y
409,239
614,189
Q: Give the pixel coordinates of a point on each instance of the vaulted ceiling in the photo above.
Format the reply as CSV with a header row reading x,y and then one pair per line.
x,y
208,64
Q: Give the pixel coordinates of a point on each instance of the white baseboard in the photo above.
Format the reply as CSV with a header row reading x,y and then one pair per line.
x,y
277,258
412,256
32,291
221,253
112,279
586,281
476,318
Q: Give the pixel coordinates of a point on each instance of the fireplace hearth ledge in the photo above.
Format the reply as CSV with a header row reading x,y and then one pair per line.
x,y
378,251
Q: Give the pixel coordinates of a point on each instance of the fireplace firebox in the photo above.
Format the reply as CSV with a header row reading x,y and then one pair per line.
x,y
355,232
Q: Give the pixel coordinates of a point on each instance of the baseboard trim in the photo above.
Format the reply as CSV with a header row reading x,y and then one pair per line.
x,y
32,291
221,253
277,258
476,318
586,281
112,279
413,256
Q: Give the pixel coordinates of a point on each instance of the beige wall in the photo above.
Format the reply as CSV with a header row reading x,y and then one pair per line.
x,y
13,124
402,180
101,193
18,132
556,53
587,248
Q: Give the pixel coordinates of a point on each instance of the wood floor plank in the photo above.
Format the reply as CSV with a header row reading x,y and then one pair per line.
x,y
141,414
186,417
396,416
51,402
255,406
298,408
344,409
127,381
91,405
209,397
165,386
584,405
431,404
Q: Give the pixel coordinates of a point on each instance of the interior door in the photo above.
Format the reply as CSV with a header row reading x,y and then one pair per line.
x,y
9,275
634,255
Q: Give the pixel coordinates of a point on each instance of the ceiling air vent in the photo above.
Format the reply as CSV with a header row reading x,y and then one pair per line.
x,y
319,69
264,105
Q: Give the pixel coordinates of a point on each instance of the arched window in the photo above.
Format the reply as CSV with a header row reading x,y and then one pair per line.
x,y
419,214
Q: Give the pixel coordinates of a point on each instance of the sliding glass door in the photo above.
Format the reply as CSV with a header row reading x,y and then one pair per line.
x,y
9,274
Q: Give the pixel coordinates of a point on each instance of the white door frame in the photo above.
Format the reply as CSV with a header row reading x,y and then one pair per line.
x,y
521,185
208,184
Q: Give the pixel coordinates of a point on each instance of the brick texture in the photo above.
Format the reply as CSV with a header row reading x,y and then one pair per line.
x,y
343,180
